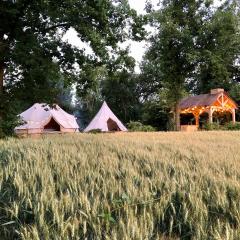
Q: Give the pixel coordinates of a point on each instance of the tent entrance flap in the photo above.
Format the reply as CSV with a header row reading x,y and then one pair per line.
x,y
112,125
52,126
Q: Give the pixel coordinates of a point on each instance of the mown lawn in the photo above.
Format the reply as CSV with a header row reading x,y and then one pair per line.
x,y
121,186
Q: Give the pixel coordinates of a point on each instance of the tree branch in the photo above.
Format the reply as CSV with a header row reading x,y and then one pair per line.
x,y
56,26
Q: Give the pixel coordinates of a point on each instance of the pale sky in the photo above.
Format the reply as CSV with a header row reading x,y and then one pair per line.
x,y
137,49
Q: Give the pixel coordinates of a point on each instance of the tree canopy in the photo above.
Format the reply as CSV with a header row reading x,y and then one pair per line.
x,y
33,56
195,46
32,51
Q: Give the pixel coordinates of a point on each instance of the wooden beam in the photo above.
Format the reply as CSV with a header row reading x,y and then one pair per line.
x,y
225,102
233,116
196,116
220,101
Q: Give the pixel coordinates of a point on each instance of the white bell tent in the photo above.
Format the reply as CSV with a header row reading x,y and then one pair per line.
x,y
106,121
42,118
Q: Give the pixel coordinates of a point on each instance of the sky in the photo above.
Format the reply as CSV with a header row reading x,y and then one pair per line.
x,y
137,49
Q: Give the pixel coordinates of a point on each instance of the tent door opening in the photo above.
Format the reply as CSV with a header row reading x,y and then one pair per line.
x,y
112,125
52,126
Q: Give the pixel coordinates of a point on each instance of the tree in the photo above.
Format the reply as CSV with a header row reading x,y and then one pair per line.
x,y
10,120
150,78
119,88
114,82
219,50
154,114
31,31
172,48
33,55
195,49
88,91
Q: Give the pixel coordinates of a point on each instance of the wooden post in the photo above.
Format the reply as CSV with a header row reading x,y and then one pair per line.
x,y
197,119
210,115
233,116
196,115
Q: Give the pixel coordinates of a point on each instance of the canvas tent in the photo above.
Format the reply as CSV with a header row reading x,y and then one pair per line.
x,y
106,121
41,118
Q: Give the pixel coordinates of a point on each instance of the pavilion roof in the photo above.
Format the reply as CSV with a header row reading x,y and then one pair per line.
x,y
202,100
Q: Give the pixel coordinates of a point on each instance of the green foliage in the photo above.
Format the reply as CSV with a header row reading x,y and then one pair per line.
x,y
216,126
107,217
235,92
232,126
94,131
212,126
34,29
114,82
195,48
119,91
88,91
34,55
8,116
172,50
219,49
124,199
139,127
155,114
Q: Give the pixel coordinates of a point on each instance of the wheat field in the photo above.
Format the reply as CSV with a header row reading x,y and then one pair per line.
x,y
121,186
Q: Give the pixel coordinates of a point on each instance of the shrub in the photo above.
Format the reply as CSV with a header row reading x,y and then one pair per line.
x,y
8,117
97,130
139,127
212,126
216,126
232,126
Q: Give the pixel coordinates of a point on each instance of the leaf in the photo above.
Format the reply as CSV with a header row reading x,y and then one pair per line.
x,y
8,223
111,219
125,198
107,217
117,201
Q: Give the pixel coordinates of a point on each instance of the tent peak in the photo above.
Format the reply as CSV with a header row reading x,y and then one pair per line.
x,y
105,120
105,106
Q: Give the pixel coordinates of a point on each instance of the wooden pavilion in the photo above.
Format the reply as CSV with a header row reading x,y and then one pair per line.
x,y
216,101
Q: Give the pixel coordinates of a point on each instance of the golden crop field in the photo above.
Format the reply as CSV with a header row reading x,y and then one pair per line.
x,y
121,186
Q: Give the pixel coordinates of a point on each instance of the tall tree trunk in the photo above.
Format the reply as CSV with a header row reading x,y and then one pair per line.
x,y
2,53
177,118
1,83
1,77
